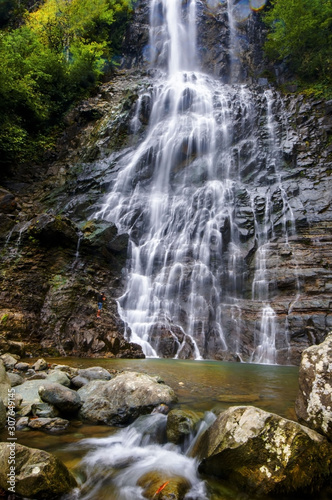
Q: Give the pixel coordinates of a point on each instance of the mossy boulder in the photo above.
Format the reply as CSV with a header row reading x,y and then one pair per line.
x,y
313,405
264,453
124,398
180,424
38,474
53,230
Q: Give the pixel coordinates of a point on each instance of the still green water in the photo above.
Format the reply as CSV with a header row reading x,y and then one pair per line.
x,y
200,386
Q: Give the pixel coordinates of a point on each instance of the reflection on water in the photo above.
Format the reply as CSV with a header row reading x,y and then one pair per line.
x,y
205,385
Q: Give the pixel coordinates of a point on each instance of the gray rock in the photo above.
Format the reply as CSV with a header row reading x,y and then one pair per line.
x,y
25,410
58,377
22,367
5,383
124,398
29,391
263,453
95,373
89,374
39,365
313,405
49,424
91,388
15,379
66,400
37,376
70,370
9,361
3,416
79,382
38,474
44,410
22,423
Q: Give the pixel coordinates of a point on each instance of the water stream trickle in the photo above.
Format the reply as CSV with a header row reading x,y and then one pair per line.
x,y
182,195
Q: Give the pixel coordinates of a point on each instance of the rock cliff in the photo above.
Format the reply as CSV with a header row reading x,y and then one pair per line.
x,y
55,259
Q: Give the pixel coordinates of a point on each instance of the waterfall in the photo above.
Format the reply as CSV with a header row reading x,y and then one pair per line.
x,y
182,195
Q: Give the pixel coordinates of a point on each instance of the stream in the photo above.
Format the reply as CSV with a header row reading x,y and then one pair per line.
x,y
108,461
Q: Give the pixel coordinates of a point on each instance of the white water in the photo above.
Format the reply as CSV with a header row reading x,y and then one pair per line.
x,y
180,194
114,465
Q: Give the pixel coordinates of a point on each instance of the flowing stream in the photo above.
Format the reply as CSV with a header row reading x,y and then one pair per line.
x,y
182,195
109,462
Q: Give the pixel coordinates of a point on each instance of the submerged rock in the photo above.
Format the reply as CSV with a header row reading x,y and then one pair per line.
x,y
49,424
264,453
158,486
124,398
38,474
313,405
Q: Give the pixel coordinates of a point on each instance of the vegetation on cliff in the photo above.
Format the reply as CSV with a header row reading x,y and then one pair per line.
x,y
50,56
300,33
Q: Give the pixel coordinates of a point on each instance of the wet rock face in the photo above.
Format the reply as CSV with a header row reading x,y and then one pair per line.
x,y
264,453
48,294
313,405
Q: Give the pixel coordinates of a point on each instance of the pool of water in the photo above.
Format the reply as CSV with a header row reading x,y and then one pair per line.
x,y
202,386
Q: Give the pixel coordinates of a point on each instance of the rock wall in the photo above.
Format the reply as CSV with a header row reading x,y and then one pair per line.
x,y
54,261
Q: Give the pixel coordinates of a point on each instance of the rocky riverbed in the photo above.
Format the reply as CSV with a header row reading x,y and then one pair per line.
x,y
249,448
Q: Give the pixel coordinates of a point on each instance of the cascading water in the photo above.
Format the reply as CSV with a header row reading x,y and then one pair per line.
x,y
114,466
182,195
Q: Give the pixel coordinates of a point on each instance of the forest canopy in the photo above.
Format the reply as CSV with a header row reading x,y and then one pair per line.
x,y
51,56
300,33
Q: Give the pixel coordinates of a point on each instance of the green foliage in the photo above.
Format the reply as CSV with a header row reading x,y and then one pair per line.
x,y
56,57
301,34
4,319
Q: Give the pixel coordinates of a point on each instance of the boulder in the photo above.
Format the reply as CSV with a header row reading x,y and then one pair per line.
x,y
95,373
91,388
44,410
9,361
49,424
264,453
22,367
58,377
15,379
53,230
39,365
38,474
124,398
22,424
313,405
180,424
89,374
70,370
3,416
158,486
66,400
5,383
29,391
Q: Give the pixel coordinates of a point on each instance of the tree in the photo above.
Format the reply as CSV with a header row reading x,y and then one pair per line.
x,y
301,33
55,58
